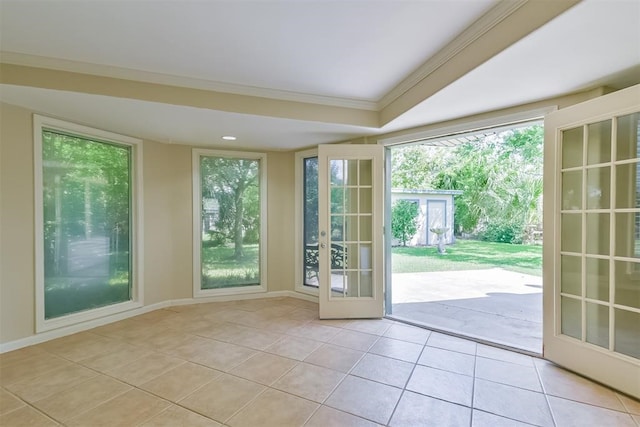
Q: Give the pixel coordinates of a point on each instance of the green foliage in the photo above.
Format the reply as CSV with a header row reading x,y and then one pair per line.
x,y
234,184
404,220
469,255
413,167
500,177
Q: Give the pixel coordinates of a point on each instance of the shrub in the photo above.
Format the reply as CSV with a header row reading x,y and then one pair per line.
x,y
503,232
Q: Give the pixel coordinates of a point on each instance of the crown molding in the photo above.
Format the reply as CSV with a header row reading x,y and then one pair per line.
x,y
35,61
476,30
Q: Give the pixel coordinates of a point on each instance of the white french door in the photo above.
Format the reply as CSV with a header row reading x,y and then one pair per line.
x,y
592,239
350,199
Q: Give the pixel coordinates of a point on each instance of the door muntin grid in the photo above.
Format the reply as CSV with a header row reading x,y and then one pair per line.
x,y
599,260
351,228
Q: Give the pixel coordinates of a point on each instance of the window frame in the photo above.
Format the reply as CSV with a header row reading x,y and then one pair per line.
x,y
40,124
300,156
198,292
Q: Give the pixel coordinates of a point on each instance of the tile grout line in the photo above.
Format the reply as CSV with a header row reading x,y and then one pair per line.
x,y
404,388
544,393
473,386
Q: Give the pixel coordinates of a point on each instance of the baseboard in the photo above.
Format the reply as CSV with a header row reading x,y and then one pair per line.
x,y
69,330
79,327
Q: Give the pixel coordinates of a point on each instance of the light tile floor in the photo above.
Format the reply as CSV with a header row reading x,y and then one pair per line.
x,y
272,362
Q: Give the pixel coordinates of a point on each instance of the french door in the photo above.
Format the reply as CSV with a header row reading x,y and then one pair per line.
x,y
350,199
592,239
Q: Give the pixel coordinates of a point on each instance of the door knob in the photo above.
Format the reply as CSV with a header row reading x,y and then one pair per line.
x,y
323,245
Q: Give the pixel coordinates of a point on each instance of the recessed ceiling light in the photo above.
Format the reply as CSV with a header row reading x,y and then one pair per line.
x,y
229,138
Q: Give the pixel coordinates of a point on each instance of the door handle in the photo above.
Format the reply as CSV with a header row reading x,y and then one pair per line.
x,y
323,245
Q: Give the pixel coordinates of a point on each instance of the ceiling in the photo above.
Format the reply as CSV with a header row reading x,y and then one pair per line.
x,y
285,74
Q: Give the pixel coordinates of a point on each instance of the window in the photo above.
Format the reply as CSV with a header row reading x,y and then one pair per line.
x,y
229,222
307,221
86,223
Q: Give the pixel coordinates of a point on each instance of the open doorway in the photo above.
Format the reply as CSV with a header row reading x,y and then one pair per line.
x,y
466,221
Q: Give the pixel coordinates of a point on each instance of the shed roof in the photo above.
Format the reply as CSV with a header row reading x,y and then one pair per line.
x,y
424,191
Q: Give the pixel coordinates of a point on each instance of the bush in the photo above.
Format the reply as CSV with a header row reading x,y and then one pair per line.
x,y
503,233
404,220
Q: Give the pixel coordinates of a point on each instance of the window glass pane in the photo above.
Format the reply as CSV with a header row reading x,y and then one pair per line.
x,y
598,233
365,172
230,245
337,172
628,234
572,190
597,324
599,142
365,228
571,274
365,200
571,232
627,283
628,186
310,221
351,228
339,256
598,186
353,283
351,200
337,200
571,317
339,283
628,137
572,147
366,284
351,172
351,256
87,223
597,278
337,228
627,336
366,262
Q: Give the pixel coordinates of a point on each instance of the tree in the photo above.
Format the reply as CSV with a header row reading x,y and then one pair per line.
x,y
404,220
500,177
86,194
414,167
234,184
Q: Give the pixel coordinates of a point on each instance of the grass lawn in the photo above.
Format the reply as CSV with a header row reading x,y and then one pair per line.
x,y
221,270
469,255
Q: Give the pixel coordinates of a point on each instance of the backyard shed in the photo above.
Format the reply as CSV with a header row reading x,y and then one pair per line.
x,y
435,211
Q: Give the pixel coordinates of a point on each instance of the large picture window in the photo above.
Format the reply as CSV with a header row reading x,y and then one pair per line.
x,y
86,220
229,202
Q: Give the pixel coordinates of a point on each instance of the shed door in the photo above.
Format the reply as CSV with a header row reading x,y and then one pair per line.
x,y
436,219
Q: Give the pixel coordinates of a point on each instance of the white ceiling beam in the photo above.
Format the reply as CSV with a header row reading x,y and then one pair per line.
x,y
504,25
176,95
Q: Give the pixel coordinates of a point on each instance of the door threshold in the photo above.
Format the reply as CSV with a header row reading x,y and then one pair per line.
x,y
501,345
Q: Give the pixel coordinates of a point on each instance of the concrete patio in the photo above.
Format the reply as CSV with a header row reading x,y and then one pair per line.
x,y
493,305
